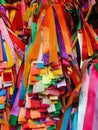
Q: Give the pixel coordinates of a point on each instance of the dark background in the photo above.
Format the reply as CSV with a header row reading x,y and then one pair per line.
x,y
93,19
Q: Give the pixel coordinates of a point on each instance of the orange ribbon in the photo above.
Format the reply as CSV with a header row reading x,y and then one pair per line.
x,y
64,28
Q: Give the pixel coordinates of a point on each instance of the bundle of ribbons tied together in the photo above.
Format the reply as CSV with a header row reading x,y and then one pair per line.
x,y
45,82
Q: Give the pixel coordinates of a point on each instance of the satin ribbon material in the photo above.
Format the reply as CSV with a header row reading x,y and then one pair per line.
x,y
32,56
17,21
64,26
1,54
2,9
78,54
6,20
95,123
15,109
3,2
74,58
12,14
39,7
43,2
4,52
66,119
89,43
20,73
84,46
49,22
74,121
2,99
45,58
9,56
92,32
14,95
16,40
33,31
2,106
81,38
37,43
60,38
92,36
75,77
6,36
3,92
69,104
83,99
22,94
45,39
23,8
89,115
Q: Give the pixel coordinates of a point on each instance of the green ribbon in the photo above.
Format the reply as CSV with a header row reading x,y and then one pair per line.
x,y
13,120
2,106
56,113
58,106
73,37
19,127
52,127
33,31
79,24
38,78
39,6
3,2
96,65
30,88
97,38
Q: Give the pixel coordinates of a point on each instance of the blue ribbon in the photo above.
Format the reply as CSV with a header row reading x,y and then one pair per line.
x,y
3,92
14,95
66,119
74,121
23,91
3,50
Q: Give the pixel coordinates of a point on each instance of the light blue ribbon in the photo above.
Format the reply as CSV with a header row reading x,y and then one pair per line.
x,y
74,121
66,119
3,92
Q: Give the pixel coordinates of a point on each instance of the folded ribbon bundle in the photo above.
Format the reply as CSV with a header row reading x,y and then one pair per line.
x,y
10,62
44,81
47,88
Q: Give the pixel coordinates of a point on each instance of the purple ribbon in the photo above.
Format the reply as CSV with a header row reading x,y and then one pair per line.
x,y
74,58
2,9
16,108
45,59
69,125
60,37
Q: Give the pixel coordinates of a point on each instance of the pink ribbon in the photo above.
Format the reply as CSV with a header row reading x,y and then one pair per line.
x,y
90,109
95,124
43,2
